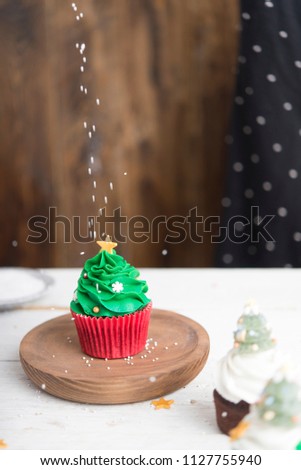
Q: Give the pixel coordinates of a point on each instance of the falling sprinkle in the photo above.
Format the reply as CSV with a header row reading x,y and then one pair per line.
x,y
97,101
106,200
93,128
77,45
86,91
84,59
92,159
82,253
111,186
93,197
94,184
82,68
81,15
90,134
85,125
89,171
78,18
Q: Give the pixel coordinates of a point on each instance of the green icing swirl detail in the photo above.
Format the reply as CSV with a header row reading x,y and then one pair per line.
x,y
253,334
95,287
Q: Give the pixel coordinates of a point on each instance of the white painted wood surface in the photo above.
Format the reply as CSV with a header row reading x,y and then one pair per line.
x,y
32,419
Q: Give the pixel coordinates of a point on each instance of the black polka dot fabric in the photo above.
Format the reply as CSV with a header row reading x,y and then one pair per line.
x,y
262,201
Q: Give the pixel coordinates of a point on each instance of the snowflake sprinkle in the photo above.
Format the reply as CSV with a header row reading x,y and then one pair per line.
x,y
117,287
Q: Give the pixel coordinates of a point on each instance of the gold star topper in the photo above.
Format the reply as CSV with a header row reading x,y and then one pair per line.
x,y
162,403
239,430
107,245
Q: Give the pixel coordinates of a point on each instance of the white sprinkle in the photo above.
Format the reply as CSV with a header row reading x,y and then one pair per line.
x,y
82,68
288,106
297,236
81,15
249,193
106,200
92,159
89,171
93,128
85,124
257,48
238,167
86,91
176,344
111,186
282,211
249,91
93,198
82,253
246,16
53,355
267,186
97,101
43,386
277,147
100,211
226,202
87,361
81,88
166,347
125,173
89,365
84,59
94,184
227,258
66,371
283,34
14,243
77,45
224,414
271,78
239,100
94,234
261,120
255,158
298,64
90,134
82,47
78,18
293,173
152,378
164,252
108,367
106,358
270,246
247,130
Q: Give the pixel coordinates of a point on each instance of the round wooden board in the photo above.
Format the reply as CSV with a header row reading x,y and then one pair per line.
x,y
177,351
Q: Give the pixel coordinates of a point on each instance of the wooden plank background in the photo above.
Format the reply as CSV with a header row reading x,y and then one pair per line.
x,y
163,71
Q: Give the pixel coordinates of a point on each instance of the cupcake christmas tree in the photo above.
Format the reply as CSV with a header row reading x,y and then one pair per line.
x,y
253,333
274,421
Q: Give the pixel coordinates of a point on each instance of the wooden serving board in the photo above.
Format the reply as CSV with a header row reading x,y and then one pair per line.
x,y
176,351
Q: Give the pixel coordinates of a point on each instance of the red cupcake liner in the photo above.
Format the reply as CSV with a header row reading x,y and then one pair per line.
x,y
113,337
228,414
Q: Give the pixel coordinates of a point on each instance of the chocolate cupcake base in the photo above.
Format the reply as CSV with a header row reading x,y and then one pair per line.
x,y
229,414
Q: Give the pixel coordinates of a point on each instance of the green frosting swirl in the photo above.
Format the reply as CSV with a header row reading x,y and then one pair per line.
x,y
110,284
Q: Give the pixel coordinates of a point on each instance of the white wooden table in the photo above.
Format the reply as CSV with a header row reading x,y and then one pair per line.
x,y
32,419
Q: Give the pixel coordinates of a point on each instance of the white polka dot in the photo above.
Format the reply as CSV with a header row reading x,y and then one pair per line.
x,y
298,64
247,130
267,186
226,202
229,139
293,173
249,193
283,34
271,78
269,4
239,100
288,106
227,258
249,90
252,250
261,120
277,147
297,236
270,246
255,158
164,252
238,167
282,212
257,48
241,59
246,16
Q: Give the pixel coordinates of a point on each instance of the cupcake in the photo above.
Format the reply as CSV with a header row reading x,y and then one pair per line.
x,y
243,373
274,422
110,309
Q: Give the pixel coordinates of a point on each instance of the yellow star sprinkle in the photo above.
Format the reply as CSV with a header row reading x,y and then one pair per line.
x,y
162,403
239,430
107,245
3,445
